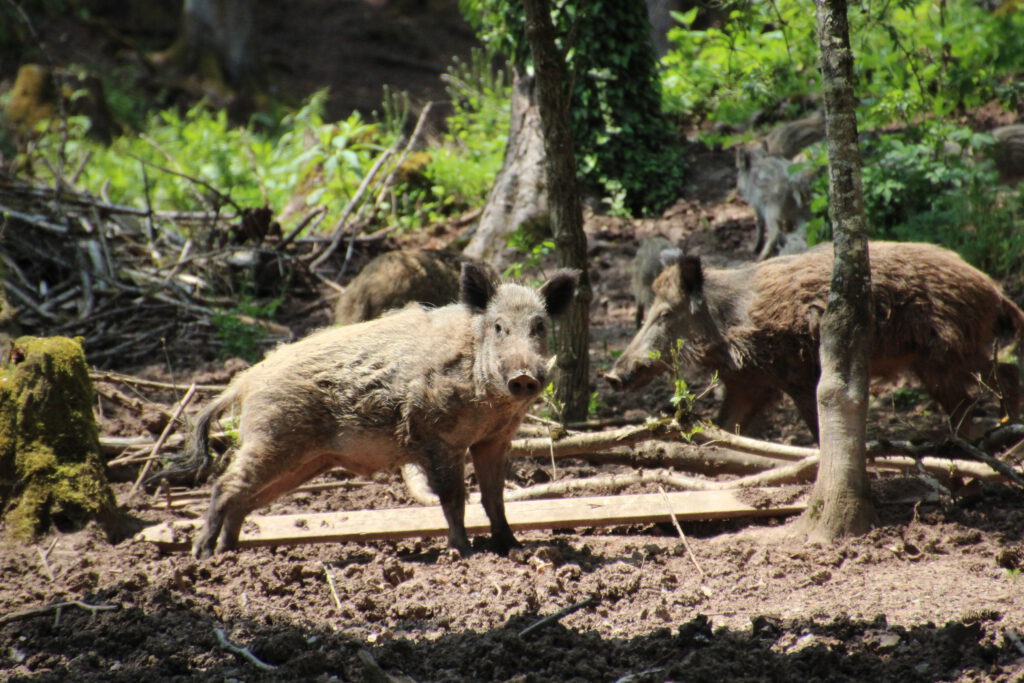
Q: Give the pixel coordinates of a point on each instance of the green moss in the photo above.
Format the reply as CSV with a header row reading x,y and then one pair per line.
x,y
50,467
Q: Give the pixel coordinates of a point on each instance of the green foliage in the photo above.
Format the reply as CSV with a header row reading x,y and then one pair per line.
x,y
765,52
917,64
472,150
624,144
906,398
250,165
523,242
237,335
910,58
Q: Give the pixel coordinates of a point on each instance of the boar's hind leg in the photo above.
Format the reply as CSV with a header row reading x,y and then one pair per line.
x,y
742,406
254,478
446,473
489,463
948,386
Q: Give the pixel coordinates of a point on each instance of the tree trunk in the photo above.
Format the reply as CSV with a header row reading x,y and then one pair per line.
x,y
552,89
519,197
840,503
216,42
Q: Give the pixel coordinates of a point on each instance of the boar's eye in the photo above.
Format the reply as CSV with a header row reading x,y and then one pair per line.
x,y
538,328
497,328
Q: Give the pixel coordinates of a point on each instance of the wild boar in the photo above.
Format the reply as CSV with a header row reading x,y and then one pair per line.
x,y
789,139
1009,152
423,386
646,266
397,278
780,200
757,327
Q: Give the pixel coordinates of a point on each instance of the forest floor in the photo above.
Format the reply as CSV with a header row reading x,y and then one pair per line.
x,y
932,593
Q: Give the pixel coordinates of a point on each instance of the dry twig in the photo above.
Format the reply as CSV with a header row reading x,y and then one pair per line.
x,y
556,616
56,607
242,652
163,436
682,536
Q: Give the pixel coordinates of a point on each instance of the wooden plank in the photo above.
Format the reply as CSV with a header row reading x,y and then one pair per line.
x,y
555,513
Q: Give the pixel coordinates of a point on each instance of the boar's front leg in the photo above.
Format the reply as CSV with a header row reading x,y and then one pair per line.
x,y
489,463
446,474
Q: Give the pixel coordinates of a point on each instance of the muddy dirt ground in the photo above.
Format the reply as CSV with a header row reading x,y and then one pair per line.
x,y
932,593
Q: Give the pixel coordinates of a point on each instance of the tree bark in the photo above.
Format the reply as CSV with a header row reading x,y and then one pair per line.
x,y
519,197
572,386
840,503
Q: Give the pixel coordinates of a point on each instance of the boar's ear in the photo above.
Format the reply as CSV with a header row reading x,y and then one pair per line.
x,y
691,275
557,292
475,287
742,158
669,256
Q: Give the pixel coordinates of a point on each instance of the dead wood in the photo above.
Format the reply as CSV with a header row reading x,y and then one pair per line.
x,y
577,444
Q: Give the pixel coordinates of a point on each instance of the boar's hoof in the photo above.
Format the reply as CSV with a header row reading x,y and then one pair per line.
x,y
502,546
523,386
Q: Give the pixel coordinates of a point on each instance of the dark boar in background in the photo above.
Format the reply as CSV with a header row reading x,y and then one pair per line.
x,y
397,278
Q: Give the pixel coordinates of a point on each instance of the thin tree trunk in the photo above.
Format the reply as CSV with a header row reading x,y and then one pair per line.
x,y
840,503
552,89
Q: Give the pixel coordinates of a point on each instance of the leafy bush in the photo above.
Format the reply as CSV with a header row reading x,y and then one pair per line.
x,y
183,161
472,150
910,58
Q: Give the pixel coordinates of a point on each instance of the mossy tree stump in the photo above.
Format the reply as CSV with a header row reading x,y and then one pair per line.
x,y
50,468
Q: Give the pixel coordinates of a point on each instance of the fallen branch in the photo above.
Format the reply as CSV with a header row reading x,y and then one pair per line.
x,y
576,444
560,614
991,461
682,536
715,436
163,436
56,607
242,652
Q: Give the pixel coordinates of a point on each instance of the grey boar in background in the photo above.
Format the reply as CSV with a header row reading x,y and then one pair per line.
x,y
757,327
780,201
397,278
789,139
648,263
422,386
1009,152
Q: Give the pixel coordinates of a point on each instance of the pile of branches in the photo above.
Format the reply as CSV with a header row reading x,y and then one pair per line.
x,y
134,281
137,281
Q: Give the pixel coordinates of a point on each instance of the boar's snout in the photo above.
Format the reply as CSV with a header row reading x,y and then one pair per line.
x,y
524,385
614,380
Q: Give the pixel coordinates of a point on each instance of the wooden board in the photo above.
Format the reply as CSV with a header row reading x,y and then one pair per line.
x,y
555,513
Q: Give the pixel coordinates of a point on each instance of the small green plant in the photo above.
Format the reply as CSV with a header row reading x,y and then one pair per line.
x,y
237,331
1013,574
523,242
906,398
594,404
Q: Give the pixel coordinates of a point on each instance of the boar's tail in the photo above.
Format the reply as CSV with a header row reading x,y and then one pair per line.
x,y
195,465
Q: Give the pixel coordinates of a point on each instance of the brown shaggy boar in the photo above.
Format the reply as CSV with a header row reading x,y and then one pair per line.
x,y
423,386
757,326
397,278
